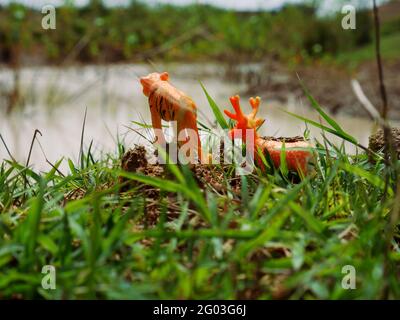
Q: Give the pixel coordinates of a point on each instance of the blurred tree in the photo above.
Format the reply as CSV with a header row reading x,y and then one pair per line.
x,y
98,33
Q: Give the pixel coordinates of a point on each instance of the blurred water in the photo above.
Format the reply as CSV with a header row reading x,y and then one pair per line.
x,y
113,98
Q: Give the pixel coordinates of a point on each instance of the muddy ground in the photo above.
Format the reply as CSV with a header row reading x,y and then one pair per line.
x,y
329,85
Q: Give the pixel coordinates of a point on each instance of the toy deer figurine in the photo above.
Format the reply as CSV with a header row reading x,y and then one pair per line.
x,y
297,155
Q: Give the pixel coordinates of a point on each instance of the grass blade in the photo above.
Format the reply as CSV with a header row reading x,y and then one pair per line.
x,y
216,110
317,107
342,134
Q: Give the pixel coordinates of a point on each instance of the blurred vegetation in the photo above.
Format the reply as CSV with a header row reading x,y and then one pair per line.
x,y
97,33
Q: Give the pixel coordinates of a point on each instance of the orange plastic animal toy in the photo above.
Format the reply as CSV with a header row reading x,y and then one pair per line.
x,y
297,156
170,104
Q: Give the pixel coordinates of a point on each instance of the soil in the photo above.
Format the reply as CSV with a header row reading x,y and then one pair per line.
x,y
219,179
136,160
377,141
285,139
208,177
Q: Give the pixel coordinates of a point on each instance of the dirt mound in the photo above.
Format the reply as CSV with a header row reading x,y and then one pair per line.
x,y
285,139
217,178
208,176
377,141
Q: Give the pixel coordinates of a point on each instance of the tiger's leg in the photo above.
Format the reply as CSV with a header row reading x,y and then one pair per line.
x,y
186,143
192,124
192,135
156,123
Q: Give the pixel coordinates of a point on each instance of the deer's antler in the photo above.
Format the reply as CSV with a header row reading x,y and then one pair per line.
x,y
243,121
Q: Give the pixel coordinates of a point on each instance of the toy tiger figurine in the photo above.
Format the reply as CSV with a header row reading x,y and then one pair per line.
x,y
170,104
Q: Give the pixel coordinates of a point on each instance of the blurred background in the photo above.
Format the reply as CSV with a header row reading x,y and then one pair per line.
x,y
48,78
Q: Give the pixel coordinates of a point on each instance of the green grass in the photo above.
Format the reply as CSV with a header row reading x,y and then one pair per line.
x,y
273,239
390,48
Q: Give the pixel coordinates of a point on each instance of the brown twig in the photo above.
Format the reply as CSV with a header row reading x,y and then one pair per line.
x,y
384,111
8,151
80,157
29,158
31,147
390,156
